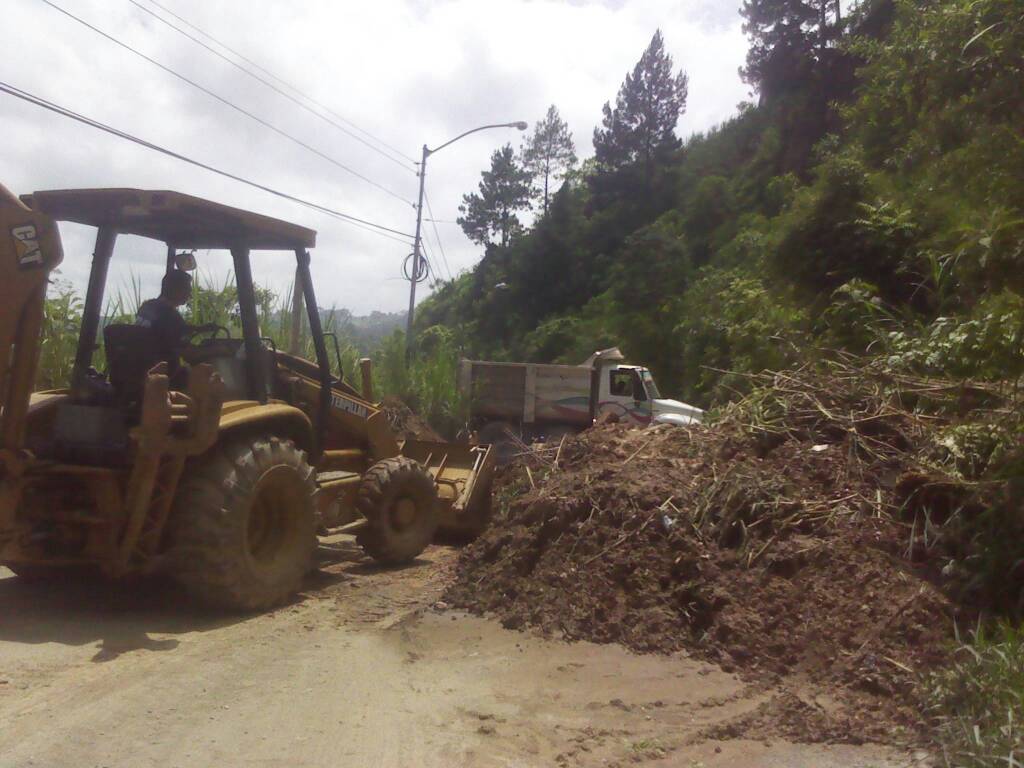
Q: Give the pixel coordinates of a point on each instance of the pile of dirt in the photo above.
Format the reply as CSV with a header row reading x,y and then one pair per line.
x,y
405,424
782,550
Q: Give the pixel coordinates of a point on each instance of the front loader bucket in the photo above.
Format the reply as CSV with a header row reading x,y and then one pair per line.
x,y
463,476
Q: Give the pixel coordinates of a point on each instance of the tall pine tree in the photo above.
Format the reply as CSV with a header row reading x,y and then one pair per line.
x,y
504,190
638,134
788,38
549,153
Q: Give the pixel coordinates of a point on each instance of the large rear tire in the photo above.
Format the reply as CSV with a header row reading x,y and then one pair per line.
x,y
243,527
398,498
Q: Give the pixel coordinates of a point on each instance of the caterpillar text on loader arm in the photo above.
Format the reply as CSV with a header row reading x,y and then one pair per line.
x,y
224,481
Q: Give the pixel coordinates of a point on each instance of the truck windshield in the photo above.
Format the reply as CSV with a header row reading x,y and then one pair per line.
x,y
649,386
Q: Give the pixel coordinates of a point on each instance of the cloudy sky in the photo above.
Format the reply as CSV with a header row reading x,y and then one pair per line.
x,y
403,71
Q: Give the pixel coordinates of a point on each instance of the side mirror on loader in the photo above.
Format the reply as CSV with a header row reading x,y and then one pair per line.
x,y
185,261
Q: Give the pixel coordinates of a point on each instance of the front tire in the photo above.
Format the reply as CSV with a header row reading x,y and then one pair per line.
x,y
398,498
243,526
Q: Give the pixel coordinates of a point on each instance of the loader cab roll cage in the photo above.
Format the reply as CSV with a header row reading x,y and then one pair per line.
x,y
183,222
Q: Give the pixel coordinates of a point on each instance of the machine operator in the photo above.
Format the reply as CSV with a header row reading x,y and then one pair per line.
x,y
170,330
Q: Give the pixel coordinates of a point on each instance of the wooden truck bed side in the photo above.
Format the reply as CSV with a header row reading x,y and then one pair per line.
x,y
527,392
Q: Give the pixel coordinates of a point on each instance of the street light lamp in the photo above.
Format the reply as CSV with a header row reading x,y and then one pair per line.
x,y
415,276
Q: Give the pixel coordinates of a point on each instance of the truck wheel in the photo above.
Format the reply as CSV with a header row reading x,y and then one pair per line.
x,y
498,434
243,526
398,498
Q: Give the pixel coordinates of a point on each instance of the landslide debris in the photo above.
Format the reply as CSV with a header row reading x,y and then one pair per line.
x,y
787,542
405,424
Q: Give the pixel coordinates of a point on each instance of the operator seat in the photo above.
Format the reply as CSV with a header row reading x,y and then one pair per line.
x,y
94,430
132,351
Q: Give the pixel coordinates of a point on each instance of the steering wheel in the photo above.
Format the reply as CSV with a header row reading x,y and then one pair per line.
x,y
213,329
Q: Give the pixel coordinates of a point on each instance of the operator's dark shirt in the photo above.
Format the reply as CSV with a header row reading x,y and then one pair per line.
x,y
169,329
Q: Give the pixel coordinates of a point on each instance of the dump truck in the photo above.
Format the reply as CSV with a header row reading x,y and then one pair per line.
x,y
534,401
222,478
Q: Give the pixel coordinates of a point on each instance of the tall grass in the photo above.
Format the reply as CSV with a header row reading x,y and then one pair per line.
x,y
977,703
62,318
427,383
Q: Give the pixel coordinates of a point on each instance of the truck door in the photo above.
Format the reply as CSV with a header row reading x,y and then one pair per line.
x,y
642,405
625,396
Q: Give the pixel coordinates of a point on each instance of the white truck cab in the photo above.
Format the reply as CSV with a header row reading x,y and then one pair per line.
x,y
629,392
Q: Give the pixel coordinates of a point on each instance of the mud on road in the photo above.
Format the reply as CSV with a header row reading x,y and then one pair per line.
x,y
787,562
364,669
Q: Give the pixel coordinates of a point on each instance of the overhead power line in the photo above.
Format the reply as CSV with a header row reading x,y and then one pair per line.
x,y
228,103
428,256
271,86
437,236
38,101
424,269
285,83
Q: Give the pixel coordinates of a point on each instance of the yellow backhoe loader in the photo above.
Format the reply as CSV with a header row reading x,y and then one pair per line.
x,y
222,481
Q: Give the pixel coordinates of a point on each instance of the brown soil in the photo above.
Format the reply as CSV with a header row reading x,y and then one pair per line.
x,y
405,424
782,561
366,668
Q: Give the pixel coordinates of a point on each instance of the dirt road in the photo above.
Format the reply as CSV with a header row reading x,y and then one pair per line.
x,y
363,670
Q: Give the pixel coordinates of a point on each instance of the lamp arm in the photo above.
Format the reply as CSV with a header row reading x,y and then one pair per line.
x,y
463,135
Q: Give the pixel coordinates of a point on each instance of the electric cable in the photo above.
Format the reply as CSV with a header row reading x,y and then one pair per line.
x,y
437,236
424,271
228,103
273,87
65,112
430,257
285,83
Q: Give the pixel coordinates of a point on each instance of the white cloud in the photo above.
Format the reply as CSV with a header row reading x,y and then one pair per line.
x,y
408,71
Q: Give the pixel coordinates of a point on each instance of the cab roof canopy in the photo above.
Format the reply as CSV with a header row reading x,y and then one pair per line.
x,y
179,220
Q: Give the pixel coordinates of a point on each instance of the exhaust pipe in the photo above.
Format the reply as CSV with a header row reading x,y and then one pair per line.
x,y
366,369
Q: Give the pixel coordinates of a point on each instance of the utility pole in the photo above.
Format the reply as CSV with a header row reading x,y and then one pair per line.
x,y
417,249
414,277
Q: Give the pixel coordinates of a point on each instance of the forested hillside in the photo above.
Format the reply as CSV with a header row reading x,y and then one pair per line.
x,y
872,201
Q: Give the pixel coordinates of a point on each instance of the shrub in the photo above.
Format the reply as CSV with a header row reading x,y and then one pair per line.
x,y
62,318
977,703
732,322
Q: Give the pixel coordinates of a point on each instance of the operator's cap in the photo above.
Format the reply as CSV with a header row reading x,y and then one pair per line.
x,y
176,280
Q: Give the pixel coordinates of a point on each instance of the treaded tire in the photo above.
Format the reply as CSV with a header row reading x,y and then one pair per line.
x,y
243,526
398,498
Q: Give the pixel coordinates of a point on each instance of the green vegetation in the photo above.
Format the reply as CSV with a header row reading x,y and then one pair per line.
x,y
871,205
62,317
868,210
427,383
872,202
976,703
